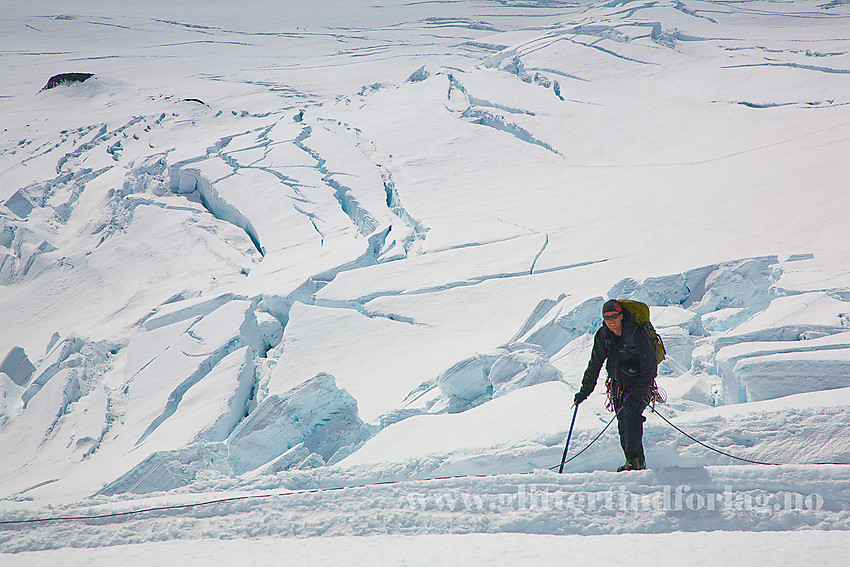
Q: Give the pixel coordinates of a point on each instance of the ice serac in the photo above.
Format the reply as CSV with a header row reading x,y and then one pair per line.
x,y
680,330
478,379
71,352
798,344
316,414
418,75
311,425
26,251
557,329
166,369
167,470
186,309
10,398
20,204
54,400
212,407
784,374
17,366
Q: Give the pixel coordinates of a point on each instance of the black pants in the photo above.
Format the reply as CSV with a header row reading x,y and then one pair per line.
x,y
631,433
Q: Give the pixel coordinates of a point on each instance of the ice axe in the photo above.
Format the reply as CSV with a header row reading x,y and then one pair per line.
x,y
567,446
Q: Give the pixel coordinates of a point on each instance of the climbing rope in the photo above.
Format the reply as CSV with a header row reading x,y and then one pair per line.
x,y
674,426
238,499
139,511
652,407
588,445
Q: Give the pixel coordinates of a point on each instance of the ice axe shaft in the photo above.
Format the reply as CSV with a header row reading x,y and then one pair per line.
x,y
567,446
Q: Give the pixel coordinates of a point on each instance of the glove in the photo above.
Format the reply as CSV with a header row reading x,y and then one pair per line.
x,y
580,397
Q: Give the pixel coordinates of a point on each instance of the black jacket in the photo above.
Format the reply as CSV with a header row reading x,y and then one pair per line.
x,y
630,360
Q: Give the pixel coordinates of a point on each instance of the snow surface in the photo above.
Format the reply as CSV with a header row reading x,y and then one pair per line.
x,y
281,271
775,548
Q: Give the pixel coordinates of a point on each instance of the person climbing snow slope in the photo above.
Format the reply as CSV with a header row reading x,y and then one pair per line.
x,y
630,360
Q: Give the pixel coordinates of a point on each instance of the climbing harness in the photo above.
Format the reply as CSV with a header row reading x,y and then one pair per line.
x,y
616,394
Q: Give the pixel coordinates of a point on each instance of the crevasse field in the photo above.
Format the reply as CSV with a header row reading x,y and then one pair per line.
x,y
316,282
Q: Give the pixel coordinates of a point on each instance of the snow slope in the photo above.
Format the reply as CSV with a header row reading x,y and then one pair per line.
x,y
342,263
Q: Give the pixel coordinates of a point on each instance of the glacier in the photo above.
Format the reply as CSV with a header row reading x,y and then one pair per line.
x,y
290,269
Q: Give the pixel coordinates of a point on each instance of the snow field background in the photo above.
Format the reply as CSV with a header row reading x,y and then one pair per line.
x,y
345,245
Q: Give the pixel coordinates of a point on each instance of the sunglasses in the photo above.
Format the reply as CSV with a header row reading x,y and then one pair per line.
x,y
611,317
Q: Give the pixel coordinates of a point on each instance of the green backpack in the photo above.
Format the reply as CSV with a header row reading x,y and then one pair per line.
x,y
640,312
